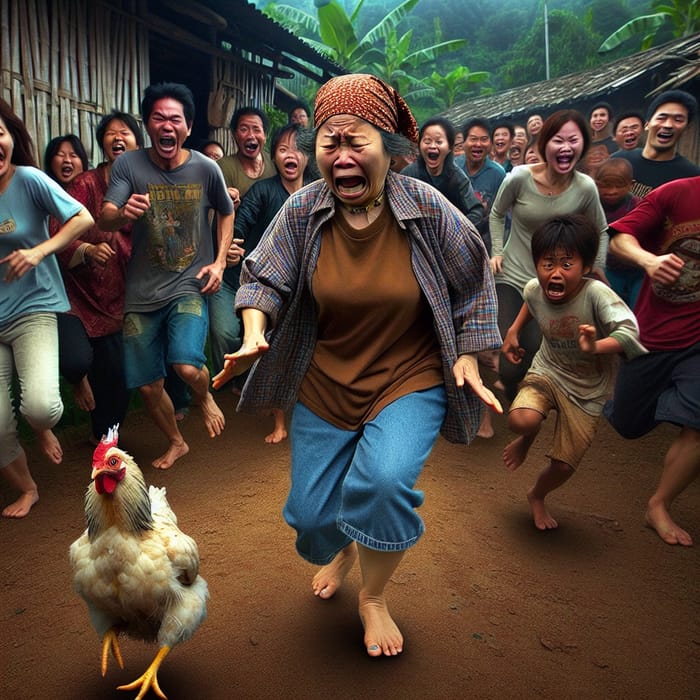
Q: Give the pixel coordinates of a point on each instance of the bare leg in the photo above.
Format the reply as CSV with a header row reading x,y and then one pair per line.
x,y
50,445
552,477
527,423
486,430
279,432
681,467
331,576
160,408
382,636
18,476
83,396
198,381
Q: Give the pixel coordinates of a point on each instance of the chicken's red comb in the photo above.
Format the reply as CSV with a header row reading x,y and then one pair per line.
x,y
109,440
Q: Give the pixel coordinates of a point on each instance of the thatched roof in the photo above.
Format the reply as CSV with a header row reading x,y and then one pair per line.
x,y
670,65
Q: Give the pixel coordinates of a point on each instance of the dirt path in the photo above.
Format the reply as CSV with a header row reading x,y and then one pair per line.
x,y
489,607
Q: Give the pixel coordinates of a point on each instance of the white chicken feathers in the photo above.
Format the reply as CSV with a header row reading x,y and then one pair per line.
x,y
136,570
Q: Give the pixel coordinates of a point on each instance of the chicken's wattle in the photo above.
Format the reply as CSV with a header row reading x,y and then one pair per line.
x,y
106,482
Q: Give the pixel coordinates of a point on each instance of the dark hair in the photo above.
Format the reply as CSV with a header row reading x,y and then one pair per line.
x,y
681,97
574,233
54,146
503,124
553,124
601,105
245,111
476,121
211,142
445,124
128,119
280,134
22,148
628,115
176,91
298,105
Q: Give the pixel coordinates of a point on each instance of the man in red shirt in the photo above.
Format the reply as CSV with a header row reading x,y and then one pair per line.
x,y
662,235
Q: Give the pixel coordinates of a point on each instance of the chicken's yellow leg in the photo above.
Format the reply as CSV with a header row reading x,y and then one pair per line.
x,y
149,679
110,641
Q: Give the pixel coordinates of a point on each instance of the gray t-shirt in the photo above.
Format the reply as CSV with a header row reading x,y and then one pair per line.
x,y
173,241
586,379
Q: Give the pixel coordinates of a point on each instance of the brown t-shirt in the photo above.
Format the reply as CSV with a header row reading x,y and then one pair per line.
x,y
376,340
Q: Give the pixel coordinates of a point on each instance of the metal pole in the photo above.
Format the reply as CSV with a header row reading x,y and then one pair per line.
x,y
546,42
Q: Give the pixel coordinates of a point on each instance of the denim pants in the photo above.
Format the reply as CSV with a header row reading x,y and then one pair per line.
x,y
29,346
359,485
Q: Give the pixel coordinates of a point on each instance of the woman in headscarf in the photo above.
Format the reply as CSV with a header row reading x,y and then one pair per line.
x,y
378,296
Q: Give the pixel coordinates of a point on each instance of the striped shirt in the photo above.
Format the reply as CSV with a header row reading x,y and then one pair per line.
x,y
448,259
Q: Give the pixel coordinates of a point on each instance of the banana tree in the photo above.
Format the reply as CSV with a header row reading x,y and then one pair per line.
x,y
684,15
454,86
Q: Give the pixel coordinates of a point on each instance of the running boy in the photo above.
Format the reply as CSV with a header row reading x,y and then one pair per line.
x,y
584,325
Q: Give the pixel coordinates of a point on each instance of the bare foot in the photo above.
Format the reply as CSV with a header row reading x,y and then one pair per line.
x,y
329,579
515,452
50,445
175,451
22,505
82,395
279,432
540,514
213,416
382,636
486,430
658,518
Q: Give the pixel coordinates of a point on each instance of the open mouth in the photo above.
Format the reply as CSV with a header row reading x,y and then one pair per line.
x,y
167,143
67,171
250,148
555,291
565,162
106,481
118,147
350,186
290,166
432,156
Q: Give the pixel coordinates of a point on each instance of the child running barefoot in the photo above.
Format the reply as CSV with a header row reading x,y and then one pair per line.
x,y
585,325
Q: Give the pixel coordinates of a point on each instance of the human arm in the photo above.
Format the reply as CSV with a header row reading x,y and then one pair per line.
x,y
254,344
664,269
112,218
502,202
511,343
603,346
21,260
214,272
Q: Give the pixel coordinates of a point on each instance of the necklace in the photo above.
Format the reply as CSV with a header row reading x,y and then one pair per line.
x,y
377,202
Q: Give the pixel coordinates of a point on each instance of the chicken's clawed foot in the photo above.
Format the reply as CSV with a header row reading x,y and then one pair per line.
x,y
109,641
149,679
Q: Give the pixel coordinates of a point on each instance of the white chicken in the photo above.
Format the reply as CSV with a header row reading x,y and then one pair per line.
x,y
137,572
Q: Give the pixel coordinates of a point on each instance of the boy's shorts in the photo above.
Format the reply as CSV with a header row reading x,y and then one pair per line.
x,y
174,334
574,428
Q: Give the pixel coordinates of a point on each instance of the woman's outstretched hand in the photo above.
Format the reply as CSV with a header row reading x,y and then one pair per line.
x,y
466,371
243,359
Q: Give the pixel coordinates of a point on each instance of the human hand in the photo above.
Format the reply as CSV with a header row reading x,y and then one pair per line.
x,y
587,338
466,371
243,359
664,269
214,273
235,195
99,253
496,263
136,206
235,252
511,348
20,261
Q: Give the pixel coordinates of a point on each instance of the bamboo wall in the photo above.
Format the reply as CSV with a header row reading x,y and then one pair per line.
x,y
66,63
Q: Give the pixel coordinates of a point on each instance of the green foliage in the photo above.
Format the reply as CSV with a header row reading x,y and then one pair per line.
x,y
682,15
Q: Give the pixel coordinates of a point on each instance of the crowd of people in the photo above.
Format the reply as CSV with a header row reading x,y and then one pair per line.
x,y
356,278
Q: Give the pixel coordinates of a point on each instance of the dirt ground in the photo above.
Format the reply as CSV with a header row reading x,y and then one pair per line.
x,y
489,607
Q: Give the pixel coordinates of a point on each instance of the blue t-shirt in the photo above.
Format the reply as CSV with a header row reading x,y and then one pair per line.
x,y
173,241
25,207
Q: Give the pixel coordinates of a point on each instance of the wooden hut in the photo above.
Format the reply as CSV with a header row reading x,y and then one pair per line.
x,y
629,83
65,63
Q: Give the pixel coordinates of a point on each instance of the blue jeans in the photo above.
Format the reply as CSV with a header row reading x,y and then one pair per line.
x,y
172,335
359,485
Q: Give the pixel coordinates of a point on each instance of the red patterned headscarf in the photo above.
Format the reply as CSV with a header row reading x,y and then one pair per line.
x,y
369,98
